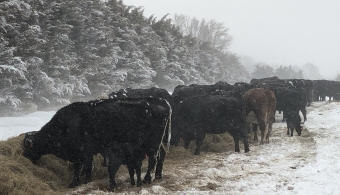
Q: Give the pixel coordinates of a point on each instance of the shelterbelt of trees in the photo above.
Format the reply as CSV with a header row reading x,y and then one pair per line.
x,y
53,53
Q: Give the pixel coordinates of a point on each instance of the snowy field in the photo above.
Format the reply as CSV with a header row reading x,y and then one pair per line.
x,y
307,164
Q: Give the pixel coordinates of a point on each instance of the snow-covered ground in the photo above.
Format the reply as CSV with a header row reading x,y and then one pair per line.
x,y
14,126
307,164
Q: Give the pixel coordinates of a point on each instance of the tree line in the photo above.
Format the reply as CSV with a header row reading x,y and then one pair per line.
x,y
53,52
283,72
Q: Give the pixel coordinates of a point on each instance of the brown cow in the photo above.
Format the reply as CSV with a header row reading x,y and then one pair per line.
x,y
263,103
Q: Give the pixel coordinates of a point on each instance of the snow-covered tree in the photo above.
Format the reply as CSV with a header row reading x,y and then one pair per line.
x,y
54,52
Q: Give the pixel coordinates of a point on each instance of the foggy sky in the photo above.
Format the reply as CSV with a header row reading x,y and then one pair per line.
x,y
280,32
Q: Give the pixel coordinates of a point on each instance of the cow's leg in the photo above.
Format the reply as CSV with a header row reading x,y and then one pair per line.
x,y
236,142
138,162
132,174
291,131
245,141
290,128
88,166
113,164
199,142
246,144
112,169
284,116
187,139
243,134
76,181
267,133
151,166
186,143
287,130
175,139
139,173
304,113
262,126
104,164
159,165
255,132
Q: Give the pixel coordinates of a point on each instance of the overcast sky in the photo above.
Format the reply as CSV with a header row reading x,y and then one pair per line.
x,y
276,32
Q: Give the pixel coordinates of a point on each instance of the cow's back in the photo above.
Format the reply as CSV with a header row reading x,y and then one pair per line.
x,y
131,120
211,114
142,93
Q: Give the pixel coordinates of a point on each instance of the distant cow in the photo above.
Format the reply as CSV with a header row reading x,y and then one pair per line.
x,y
182,92
82,129
309,87
304,86
263,103
287,96
289,99
305,89
326,88
214,114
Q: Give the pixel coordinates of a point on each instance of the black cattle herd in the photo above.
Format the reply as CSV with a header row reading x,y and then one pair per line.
x,y
133,123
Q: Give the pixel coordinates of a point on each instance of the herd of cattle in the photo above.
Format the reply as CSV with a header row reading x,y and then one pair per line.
x,y
134,123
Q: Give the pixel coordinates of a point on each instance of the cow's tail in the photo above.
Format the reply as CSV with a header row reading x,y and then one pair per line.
x,y
168,128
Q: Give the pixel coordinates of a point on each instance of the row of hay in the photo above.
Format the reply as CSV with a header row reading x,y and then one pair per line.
x,y
52,175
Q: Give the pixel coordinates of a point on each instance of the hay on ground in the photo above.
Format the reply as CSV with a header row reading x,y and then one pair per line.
x,y
50,175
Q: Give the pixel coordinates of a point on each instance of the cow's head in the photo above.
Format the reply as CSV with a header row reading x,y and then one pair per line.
x,y
32,150
298,129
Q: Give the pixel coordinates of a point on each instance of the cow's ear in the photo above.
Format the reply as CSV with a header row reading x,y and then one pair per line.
x,y
29,143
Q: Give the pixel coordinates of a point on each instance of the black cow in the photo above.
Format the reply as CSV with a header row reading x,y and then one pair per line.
x,y
141,93
305,86
132,155
293,122
309,87
214,114
82,129
326,88
289,99
182,92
